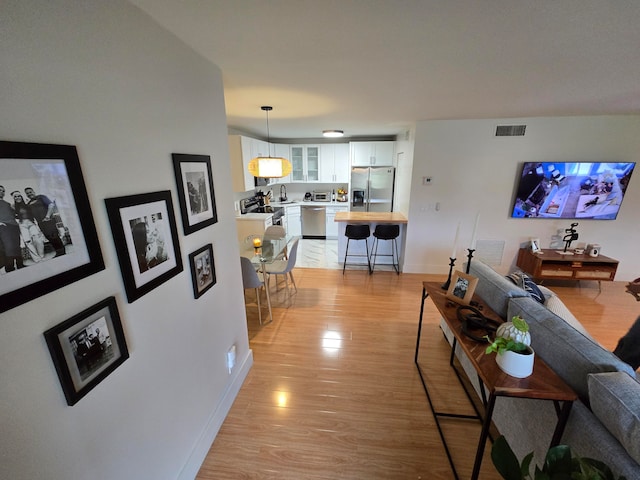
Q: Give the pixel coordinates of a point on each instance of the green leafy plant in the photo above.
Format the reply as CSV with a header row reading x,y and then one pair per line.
x,y
501,344
559,464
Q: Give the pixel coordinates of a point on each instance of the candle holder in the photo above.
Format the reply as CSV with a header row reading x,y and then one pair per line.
x,y
445,285
469,257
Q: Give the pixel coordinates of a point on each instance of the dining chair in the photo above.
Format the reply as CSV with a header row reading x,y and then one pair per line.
x,y
251,279
285,268
273,232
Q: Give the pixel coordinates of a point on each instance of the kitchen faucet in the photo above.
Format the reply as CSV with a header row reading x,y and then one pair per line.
x,y
283,193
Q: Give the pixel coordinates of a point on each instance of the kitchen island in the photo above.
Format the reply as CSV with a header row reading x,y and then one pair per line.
x,y
372,219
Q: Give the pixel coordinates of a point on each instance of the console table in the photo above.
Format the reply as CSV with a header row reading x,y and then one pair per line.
x,y
543,383
552,265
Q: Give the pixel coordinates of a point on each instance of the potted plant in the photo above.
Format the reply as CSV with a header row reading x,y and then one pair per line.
x,y
512,344
559,464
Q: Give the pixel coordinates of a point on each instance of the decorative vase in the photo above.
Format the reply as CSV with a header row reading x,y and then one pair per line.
x,y
519,365
509,330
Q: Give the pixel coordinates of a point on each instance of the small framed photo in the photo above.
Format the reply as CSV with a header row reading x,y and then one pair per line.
x,y
535,245
87,347
203,270
195,191
48,238
146,239
462,287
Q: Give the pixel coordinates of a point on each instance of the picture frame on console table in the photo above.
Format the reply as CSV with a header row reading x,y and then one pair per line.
x,y
462,288
535,245
48,238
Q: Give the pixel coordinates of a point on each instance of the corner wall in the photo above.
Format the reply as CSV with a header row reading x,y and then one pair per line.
x,y
104,77
475,171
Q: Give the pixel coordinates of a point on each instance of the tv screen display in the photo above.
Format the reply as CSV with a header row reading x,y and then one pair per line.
x,y
571,190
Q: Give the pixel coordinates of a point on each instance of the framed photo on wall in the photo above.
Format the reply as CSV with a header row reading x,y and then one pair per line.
x,y
146,239
203,270
87,348
195,191
462,287
48,238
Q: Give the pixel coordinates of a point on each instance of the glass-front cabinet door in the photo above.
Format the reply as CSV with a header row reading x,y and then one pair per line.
x,y
305,161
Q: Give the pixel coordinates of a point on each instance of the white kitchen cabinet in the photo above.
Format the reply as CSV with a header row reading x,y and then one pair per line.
x,y
241,150
305,160
292,216
331,225
374,154
281,150
334,163
254,225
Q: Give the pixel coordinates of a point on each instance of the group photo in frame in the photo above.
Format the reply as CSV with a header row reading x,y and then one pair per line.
x,y
48,237
462,288
195,191
146,240
86,348
203,270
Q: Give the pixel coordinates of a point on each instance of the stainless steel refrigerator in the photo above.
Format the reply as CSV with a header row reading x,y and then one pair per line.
x,y
372,189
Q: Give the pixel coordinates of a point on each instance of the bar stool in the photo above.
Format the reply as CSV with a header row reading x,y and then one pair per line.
x,y
357,232
386,232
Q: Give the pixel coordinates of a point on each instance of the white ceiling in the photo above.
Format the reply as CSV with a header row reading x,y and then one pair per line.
x,y
375,67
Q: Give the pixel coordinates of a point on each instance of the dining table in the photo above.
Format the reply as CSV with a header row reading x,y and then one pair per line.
x,y
264,250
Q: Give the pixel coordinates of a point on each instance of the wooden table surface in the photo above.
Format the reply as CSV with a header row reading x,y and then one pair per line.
x,y
371,217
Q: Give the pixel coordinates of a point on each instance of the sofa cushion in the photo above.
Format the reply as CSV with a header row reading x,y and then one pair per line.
x,y
525,282
568,352
615,400
493,288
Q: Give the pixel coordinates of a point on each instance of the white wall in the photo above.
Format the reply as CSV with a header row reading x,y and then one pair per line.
x,y
102,76
475,171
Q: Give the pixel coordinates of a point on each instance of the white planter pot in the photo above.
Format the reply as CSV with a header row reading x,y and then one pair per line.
x,y
517,365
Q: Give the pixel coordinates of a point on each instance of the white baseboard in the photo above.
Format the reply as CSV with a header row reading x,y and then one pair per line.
x,y
202,446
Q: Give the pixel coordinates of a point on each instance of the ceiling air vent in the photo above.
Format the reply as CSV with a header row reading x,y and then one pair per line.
x,y
510,130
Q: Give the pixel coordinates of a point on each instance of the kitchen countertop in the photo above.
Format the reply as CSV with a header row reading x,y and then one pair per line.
x,y
254,216
371,217
302,203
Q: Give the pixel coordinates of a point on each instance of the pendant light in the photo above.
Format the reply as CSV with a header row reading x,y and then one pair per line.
x,y
269,167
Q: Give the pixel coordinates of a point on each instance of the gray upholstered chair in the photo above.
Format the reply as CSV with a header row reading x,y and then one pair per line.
x,y
251,279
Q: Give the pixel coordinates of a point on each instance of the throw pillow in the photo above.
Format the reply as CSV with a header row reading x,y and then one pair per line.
x,y
615,399
525,282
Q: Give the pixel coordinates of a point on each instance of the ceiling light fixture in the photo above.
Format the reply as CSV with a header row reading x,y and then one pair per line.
x,y
333,133
269,167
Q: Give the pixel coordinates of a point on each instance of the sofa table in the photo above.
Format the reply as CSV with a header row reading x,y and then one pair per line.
x,y
542,384
552,265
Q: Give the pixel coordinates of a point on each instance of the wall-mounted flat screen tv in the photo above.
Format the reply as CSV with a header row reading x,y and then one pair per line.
x,y
571,190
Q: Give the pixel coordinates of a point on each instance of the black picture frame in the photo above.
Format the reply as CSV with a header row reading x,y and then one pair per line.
x,y
57,250
146,239
203,270
87,348
197,205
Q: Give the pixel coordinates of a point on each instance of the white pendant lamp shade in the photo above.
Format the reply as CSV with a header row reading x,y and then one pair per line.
x,y
269,167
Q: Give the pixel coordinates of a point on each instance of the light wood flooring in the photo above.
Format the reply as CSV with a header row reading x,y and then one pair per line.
x,y
334,393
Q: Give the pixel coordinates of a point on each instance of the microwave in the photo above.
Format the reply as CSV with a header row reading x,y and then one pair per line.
x,y
321,196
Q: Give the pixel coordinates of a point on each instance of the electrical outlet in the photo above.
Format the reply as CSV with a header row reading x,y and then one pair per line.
x,y
231,358
427,180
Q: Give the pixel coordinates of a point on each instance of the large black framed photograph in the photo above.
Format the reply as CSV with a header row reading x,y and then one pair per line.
x,y
146,239
87,347
203,270
48,238
195,191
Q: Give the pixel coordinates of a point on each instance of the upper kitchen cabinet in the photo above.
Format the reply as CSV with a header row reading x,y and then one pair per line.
x,y
305,160
241,151
334,163
281,150
378,154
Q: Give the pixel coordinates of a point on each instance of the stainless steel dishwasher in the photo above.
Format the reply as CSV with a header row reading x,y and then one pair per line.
x,y
313,221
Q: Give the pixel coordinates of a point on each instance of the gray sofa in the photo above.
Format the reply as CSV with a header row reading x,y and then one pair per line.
x,y
605,422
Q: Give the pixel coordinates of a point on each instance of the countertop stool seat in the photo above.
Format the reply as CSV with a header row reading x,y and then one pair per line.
x,y
386,232
357,232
